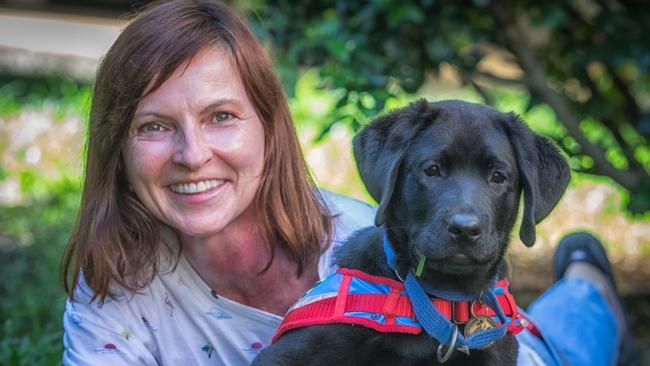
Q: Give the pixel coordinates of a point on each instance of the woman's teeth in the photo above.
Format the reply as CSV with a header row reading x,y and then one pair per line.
x,y
196,187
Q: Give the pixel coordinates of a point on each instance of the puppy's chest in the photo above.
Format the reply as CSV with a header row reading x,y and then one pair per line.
x,y
421,349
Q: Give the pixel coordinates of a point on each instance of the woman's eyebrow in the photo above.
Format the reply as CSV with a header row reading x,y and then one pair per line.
x,y
206,109
210,107
148,113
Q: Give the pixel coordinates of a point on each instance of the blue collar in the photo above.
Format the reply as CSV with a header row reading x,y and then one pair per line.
x,y
435,323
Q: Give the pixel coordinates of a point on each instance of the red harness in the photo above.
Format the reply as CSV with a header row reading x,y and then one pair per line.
x,y
354,297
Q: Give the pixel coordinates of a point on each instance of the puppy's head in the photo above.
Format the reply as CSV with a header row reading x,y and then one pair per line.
x,y
448,177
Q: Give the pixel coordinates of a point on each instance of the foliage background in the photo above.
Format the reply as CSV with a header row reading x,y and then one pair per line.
x,y
586,61
332,93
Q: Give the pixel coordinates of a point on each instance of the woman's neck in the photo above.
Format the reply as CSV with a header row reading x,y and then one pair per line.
x,y
232,261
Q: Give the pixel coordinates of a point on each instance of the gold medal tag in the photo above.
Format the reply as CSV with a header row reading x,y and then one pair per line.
x,y
477,324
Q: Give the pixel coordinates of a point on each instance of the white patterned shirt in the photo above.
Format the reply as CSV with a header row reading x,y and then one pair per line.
x,y
176,320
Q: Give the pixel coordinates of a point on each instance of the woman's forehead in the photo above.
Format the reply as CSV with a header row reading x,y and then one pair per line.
x,y
208,75
157,69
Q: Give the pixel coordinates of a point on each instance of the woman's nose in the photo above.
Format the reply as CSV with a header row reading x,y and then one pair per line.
x,y
193,150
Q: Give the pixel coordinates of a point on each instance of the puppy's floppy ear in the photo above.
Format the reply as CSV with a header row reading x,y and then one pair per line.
x,y
380,148
543,173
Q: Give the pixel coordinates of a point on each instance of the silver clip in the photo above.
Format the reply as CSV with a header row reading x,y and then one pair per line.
x,y
452,345
398,275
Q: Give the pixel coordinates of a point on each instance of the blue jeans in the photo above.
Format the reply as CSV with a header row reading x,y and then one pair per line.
x,y
578,326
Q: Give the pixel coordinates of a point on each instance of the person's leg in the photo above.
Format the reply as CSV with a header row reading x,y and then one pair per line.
x,y
601,282
581,314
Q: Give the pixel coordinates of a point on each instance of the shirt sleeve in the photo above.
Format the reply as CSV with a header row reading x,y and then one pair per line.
x,y
103,335
350,215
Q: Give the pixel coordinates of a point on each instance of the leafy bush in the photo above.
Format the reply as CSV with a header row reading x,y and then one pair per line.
x,y
34,231
32,237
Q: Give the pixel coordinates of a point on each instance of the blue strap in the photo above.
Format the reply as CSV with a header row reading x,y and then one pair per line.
x,y
439,327
436,324
490,299
390,254
451,295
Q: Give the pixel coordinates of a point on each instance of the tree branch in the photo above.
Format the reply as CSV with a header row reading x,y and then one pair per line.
x,y
496,79
633,163
487,96
612,125
516,34
631,108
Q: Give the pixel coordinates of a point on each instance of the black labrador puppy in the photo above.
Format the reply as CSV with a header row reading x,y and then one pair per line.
x,y
448,177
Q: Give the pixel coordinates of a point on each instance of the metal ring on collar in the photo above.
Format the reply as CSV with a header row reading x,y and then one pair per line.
x,y
450,350
398,275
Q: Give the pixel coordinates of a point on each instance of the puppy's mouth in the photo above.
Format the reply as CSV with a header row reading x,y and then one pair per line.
x,y
456,264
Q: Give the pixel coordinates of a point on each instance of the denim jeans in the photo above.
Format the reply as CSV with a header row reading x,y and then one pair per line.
x,y
577,324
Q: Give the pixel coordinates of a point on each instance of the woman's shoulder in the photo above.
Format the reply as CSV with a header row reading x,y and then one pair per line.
x,y
349,215
127,325
127,322
120,301
349,209
125,304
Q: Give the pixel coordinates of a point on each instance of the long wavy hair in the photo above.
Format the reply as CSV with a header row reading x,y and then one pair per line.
x,y
116,241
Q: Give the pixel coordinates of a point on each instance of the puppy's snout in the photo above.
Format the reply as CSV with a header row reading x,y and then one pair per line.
x,y
465,228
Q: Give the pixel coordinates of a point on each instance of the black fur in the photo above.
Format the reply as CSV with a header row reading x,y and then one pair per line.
x,y
459,214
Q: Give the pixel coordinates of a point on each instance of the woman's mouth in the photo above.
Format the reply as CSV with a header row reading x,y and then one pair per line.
x,y
196,187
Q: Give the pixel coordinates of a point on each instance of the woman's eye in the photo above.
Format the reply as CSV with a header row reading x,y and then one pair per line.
x,y
151,127
222,116
432,170
497,178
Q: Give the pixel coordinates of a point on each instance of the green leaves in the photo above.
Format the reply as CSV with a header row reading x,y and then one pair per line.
x,y
32,237
62,94
584,61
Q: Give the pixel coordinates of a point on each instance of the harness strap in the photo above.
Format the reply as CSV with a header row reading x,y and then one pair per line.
x,y
380,303
390,309
342,296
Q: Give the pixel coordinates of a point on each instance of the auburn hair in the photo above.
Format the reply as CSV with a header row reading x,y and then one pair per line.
x,y
116,241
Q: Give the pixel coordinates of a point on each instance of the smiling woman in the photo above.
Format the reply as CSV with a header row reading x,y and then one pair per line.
x,y
199,224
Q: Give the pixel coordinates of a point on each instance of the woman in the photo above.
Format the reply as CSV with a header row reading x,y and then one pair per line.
x,y
199,225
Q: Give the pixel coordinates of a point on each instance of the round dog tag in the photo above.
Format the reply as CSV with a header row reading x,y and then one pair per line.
x,y
477,324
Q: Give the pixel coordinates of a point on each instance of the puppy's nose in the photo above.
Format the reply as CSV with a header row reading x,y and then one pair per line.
x,y
464,227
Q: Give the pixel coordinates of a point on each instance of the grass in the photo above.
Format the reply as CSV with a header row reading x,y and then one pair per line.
x,y
32,237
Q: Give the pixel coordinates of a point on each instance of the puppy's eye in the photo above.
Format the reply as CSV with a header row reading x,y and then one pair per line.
x,y
497,178
432,170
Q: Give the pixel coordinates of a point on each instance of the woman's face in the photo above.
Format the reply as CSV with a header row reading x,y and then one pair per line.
x,y
195,151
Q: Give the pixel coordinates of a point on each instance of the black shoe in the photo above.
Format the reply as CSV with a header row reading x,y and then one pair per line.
x,y
584,247
581,247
